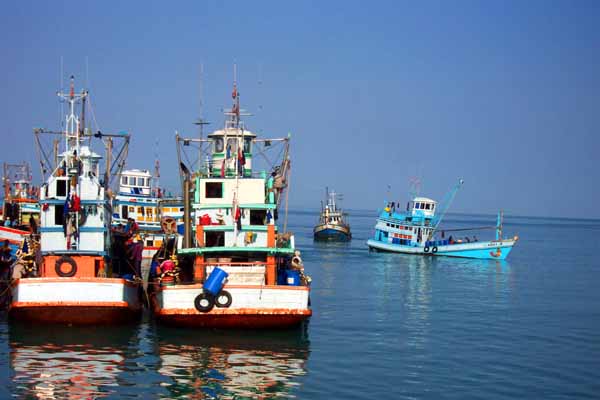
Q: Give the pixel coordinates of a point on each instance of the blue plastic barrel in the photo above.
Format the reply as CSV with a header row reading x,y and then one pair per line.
x,y
281,277
215,281
293,277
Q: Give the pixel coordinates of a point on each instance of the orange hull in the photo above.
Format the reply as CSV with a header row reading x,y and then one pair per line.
x,y
78,314
241,318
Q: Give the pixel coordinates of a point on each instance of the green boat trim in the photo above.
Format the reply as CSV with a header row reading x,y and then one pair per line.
x,y
269,250
246,228
243,206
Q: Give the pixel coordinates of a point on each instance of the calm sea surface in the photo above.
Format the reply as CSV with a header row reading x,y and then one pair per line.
x,y
384,326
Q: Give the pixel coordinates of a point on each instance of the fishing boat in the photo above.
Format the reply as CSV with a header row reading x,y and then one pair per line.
x,y
416,231
74,281
333,224
140,199
233,267
20,208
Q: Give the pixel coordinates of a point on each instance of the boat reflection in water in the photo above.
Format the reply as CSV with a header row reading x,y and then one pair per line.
x,y
59,362
232,364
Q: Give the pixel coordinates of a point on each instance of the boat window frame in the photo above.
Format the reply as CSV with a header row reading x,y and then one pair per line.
x,y
218,144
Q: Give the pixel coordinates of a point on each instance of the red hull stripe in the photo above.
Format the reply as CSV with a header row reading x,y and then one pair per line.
x,y
12,230
83,315
257,287
246,321
74,304
237,311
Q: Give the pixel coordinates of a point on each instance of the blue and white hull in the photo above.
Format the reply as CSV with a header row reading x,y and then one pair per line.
x,y
487,250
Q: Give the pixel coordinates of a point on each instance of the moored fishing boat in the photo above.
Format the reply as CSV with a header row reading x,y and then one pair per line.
x,y
333,224
231,237
416,231
20,208
73,281
141,201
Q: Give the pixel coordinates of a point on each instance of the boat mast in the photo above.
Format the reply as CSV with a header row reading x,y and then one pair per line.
x,y
446,205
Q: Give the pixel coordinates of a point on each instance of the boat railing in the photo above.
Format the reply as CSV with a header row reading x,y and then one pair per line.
x,y
239,273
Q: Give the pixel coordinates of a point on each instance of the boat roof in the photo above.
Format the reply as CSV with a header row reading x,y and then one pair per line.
x,y
232,132
137,172
424,199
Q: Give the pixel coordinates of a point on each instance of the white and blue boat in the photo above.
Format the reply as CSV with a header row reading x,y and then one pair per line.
x,y
415,231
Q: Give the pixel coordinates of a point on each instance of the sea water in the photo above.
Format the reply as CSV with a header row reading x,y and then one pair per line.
x,y
384,326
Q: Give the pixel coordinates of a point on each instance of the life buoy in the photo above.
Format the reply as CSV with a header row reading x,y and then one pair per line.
x,y
434,249
297,262
62,261
223,299
426,249
204,302
168,225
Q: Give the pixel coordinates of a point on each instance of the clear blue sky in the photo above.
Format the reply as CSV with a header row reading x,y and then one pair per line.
x,y
504,94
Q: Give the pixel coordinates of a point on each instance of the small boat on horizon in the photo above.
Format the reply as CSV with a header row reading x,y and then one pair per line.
x,y
333,224
416,231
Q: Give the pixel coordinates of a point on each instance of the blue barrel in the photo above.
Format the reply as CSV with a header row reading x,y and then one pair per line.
x,y
281,277
293,277
215,281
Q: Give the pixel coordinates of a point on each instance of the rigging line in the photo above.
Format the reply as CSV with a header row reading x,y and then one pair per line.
x,y
40,149
93,114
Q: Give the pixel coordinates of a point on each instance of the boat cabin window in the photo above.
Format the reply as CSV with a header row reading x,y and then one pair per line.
x,y
214,190
61,188
232,145
149,242
427,206
247,145
132,180
59,214
417,205
124,212
140,181
218,145
215,238
258,217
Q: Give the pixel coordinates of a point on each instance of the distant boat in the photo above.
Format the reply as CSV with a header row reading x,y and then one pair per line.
x,y
416,232
332,221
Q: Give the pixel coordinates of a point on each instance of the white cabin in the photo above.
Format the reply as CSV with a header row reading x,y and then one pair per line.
x,y
81,229
422,207
135,182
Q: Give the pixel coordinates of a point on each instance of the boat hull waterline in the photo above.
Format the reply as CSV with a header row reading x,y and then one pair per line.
x,y
81,301
490,250
251,307
332,232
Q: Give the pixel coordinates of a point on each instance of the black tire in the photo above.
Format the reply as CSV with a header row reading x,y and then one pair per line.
x,y
223,295
65,260
434,249
426,249
204,302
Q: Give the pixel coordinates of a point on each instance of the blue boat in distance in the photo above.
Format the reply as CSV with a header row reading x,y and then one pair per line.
x,y
415,231
333,224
